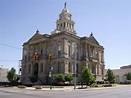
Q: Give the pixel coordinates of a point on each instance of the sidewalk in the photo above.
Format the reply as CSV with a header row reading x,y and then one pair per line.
x,y
54,88
69,88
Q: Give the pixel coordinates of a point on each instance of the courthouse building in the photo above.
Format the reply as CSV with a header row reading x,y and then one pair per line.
x,y
60,50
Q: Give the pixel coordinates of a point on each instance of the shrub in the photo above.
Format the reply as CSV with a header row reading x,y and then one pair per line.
x,y
38,87
21,86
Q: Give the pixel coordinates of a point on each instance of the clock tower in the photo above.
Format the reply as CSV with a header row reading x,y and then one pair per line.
x,y
65,22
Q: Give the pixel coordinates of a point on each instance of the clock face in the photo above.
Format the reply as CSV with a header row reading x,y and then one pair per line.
x,y
62,17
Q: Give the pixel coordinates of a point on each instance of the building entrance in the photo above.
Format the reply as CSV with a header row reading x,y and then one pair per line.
x,y
36,69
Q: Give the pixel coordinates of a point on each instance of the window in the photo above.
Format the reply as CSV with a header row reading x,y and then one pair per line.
x,y
97,69
58,70
69,66
58,27
77,57
91,52
59,50
61,25
41,51
77,68
41,67
64,24
69,50
29,68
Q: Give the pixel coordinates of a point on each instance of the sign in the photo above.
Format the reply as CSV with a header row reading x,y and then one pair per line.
x,y
50,74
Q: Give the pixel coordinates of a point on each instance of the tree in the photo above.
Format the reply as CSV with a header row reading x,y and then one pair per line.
x,y
128,76
68,77
59,77
12,77
110,76
87,76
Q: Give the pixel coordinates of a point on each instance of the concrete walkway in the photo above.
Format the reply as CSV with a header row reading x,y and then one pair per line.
x,y
69,88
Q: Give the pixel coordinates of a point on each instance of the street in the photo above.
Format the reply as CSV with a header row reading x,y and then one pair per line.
x,y
118,92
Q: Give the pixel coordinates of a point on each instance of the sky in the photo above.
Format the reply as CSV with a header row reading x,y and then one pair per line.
x,y
108,20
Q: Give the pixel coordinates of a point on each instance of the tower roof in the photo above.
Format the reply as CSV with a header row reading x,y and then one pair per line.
x,y
65,10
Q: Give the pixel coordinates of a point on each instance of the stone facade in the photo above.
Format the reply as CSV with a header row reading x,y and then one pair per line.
x,y
120,74
3,75
61,45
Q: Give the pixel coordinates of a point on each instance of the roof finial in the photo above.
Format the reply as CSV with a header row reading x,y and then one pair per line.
x,y
65,5
37,31
91,34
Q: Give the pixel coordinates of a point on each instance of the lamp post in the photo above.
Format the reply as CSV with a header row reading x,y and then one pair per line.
x,y
50,75
75,66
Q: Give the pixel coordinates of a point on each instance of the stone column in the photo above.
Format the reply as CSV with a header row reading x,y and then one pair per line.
x,y
86,50
65,45
102,56
89,51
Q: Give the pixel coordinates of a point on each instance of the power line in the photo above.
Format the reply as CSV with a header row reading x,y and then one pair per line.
x,y
9,60
10,46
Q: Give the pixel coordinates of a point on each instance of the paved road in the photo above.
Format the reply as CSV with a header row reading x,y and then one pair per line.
x,y
119,92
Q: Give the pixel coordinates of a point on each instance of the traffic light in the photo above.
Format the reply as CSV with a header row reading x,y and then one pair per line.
x,y
49,57
36,57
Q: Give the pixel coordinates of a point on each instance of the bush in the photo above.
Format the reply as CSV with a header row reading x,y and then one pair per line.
x,y
68,77
100,82
107,85
60,83
21,86
106,82
38,87
59,77
94,85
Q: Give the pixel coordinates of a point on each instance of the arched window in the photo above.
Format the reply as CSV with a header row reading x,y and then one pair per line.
x,y
58,70
77,68
59,50
69,67
64,24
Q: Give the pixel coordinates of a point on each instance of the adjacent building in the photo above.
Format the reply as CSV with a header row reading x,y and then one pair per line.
x,y
3,75
120,74
61,52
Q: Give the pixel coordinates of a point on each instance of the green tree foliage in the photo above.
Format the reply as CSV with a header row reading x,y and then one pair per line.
x,y
68,77
59,77
128,76
12,77
87,76
110,76
33,79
